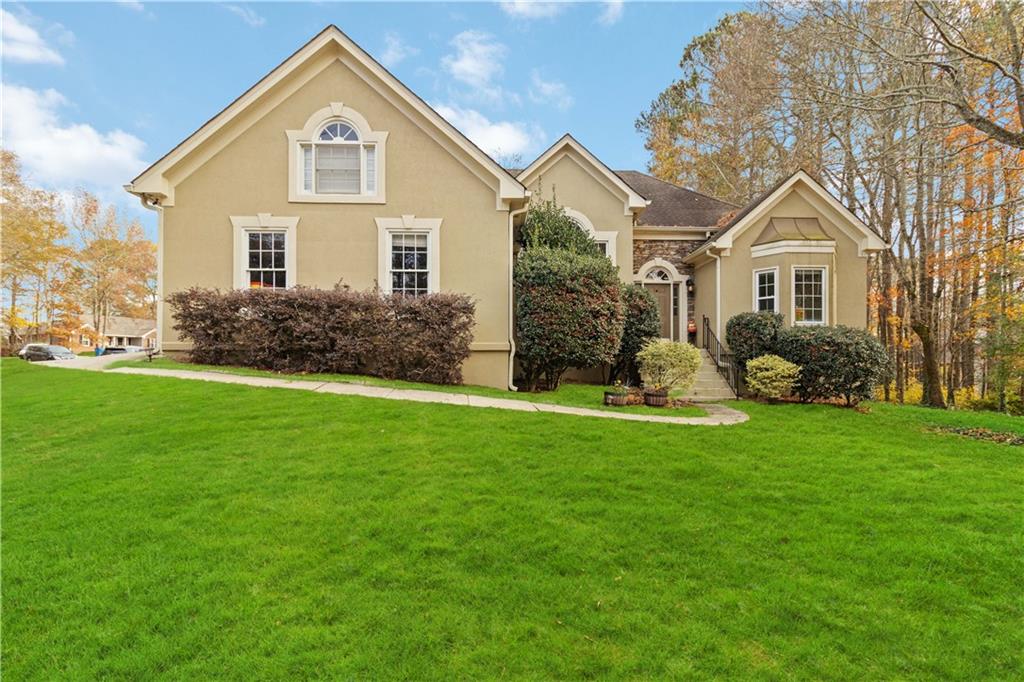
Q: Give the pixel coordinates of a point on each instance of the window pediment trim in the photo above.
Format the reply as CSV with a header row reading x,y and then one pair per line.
x,y
308,135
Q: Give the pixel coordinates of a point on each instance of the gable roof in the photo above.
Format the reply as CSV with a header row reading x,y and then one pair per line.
x,y
868,240
151,181
119,325
634,201
675,206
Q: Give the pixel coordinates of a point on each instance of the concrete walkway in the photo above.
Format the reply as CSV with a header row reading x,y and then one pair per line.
x,y
717,415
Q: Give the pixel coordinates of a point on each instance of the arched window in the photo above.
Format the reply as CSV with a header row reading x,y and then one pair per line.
x,y
336,158
658,275
337,163
338,132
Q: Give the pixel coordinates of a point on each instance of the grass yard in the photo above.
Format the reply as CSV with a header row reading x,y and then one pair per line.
x,y
572,395
159,527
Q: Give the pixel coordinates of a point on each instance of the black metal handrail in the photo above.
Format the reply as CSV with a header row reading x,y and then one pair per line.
x,y
722,358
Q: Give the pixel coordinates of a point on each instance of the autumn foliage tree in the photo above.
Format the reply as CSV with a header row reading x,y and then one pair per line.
x,y
912,114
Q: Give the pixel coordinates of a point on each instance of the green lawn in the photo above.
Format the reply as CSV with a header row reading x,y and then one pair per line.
x,y
573,395
159,527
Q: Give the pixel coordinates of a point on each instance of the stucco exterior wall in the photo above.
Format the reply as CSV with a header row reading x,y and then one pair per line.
x,y
338,243
568,180
847,271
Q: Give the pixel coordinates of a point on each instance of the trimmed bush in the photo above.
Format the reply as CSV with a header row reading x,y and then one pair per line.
x,y
547,225
423,338
835,362
668,364
770,377
642,323
750,335
568,313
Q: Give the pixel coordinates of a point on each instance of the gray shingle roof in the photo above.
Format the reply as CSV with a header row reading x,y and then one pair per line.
x,y
672,205
118,325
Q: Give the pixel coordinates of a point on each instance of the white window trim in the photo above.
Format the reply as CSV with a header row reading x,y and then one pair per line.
x,y
824,296
242,225
297,138
608,237
793,246
758,271
386,227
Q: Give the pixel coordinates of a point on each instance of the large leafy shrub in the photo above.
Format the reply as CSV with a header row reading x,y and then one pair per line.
x,y
568,313
749,335
547,225
423,338
771,377
668,364
835,362
641,324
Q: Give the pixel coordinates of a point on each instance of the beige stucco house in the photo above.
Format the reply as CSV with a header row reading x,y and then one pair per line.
x,y
329,167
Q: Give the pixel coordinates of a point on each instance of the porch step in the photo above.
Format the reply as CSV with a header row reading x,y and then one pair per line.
x,y
710,385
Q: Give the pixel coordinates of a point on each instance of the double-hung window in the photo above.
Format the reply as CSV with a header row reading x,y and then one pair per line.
x,y
809,295
267,267
409,255
410,263
338,162
766,290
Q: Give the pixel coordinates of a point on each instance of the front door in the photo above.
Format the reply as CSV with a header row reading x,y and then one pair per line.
x,y
663,295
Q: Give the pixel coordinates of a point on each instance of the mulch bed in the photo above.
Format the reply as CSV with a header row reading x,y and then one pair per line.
x,y
978,433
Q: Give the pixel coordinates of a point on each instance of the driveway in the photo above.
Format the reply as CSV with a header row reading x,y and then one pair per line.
x,y
93,362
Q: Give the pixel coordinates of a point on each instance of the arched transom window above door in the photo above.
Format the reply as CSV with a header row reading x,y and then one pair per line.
x,y
336,158
658,275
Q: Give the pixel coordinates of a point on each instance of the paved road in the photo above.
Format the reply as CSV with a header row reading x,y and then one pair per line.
x,y
93,362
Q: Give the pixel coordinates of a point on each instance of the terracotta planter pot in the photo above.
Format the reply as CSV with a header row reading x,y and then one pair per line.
x,y
617,399
653,398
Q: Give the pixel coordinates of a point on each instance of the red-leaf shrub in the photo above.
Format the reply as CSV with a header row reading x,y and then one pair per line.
x,y
424,338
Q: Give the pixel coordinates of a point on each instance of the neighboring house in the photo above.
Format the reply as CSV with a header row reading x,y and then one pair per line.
x,y
122,331
329,167
117,331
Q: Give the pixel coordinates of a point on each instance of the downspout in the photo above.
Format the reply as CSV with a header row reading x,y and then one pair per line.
x,y
511,297
152,204
718,294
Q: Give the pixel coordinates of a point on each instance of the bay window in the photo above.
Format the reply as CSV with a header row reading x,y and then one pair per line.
x,y
766,290
810,301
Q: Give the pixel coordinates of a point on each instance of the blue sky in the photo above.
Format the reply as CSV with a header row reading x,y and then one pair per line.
x,y
94,92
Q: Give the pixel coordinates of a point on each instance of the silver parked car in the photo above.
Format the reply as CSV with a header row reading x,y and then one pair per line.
x,y
35,352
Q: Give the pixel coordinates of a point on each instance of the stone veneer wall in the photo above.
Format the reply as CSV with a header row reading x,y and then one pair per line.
x,y
672,250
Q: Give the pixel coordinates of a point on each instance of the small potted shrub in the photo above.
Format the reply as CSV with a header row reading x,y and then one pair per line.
x,y
665,365
655,396
616,395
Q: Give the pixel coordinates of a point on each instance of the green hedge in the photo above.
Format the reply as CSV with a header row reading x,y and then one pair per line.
x,y
751,335
835,362
642,323
568,313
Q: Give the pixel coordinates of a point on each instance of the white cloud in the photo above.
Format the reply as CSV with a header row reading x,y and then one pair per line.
x,y
66,155
549,92
478,62
395,50
477,59
497,138
529,9
247,15
612,12
22,43
133,5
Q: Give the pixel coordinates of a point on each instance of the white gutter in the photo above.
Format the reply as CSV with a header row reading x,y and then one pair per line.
x,y
511,296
